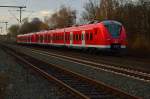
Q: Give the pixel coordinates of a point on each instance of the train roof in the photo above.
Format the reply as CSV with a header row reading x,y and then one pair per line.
x,y
111,21
76,28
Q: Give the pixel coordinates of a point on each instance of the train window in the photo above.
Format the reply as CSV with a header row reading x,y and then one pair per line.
x,y
79,36
41,38
76,36
82,37
56,37
87,36
68,37
45,37
53,37
73,37
62,37
95,30
91,36
29,39
50,38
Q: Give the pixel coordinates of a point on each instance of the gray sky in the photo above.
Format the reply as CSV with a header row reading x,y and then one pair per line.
x,y
40,9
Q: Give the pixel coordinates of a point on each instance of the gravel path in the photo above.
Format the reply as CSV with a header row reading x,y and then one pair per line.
x,y
16,82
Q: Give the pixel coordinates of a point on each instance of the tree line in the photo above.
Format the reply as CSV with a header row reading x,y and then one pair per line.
x,y
133,14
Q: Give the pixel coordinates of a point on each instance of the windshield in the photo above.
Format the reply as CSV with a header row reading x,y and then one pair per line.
x,y
114,29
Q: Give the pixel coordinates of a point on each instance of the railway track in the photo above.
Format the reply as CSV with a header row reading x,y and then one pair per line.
x,y
119,70
80,86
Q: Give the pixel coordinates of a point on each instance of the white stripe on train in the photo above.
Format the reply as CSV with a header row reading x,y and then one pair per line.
x,y
76,45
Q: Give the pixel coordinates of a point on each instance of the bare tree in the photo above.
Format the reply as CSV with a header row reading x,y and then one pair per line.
x,y
92,11
63,18
135,16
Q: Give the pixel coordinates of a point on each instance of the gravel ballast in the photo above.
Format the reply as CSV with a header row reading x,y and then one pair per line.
x,y
17,82
132,86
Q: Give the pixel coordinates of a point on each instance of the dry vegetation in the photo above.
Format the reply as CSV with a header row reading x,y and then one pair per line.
x,y
3,84
134,14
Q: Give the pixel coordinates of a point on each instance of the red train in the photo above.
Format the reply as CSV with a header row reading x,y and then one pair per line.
x,y
104,35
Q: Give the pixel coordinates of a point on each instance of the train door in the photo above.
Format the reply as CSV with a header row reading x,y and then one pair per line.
x,y
83,38
71,38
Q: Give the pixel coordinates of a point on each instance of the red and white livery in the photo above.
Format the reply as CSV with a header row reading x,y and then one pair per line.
x,y
104,35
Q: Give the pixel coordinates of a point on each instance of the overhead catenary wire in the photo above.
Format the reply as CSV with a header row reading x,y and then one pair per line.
x,y
13,15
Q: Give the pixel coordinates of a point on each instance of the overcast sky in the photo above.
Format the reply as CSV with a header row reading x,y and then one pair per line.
x,y
35,8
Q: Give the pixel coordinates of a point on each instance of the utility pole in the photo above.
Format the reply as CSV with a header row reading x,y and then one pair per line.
x,y
1,29
20,10
6,23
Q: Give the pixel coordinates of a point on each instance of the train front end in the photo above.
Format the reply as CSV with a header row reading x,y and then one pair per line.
x,y
115,35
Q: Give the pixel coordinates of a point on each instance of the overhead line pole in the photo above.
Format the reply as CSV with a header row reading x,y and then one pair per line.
x,y
20,10
6,23
1,29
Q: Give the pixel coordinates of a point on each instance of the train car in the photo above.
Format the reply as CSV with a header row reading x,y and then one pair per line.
x,y
107,34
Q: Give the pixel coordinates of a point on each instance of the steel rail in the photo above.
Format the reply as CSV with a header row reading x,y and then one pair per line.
x,y
49,77
109,68
98,84
134,74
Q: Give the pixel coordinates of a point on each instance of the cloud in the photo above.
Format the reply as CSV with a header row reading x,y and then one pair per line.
x,y
5,18
42,14
45,13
